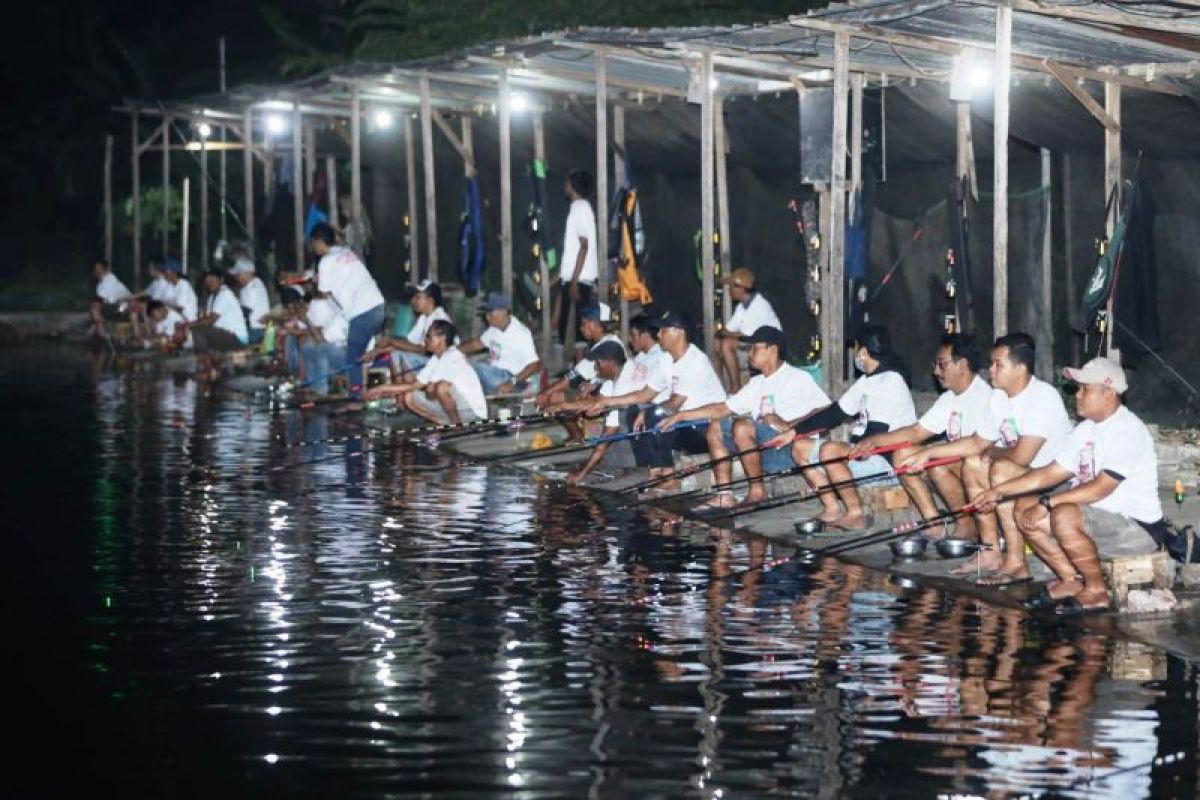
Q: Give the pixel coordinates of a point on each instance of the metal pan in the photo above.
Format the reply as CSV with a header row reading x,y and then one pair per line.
x,y
807,527
956,548
912,547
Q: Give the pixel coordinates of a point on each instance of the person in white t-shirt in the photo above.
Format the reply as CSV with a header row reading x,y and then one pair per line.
x,y
253,296
108,300
580,260
182,297
446,390
512,363
158,289
1026,425
616,374
752,312
772,401
408,354
342,276
878,402
1111,504
221,328
169,328
323,345
595,325
958,412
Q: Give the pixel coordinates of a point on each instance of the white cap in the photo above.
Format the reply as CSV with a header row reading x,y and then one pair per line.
x,y
242,266
1099,371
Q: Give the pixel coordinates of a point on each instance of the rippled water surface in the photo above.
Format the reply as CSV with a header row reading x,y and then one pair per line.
x,y
195,618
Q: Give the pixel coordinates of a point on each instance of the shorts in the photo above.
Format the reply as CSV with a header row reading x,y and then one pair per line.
x,y
214,340
862,468
1116,534
773,460
434,408
112,312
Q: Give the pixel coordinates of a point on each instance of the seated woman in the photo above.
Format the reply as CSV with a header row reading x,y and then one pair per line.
x,y
446,390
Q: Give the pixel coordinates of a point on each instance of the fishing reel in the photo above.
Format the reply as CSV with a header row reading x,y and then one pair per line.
x,y
951,287
1101,245
950,323
1102,321
814,347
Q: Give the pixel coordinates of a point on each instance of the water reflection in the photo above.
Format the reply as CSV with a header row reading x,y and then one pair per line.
x,y
386,620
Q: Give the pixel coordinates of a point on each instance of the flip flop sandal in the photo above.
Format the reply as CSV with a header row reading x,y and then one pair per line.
x,y
867,522
1001,580
1071,607
1039,601
714,506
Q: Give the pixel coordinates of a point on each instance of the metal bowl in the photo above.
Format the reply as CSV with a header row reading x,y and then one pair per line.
x,y
956,548
913,547
807,527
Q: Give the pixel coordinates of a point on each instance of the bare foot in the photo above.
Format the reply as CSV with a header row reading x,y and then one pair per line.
x,y
1060,589
984,561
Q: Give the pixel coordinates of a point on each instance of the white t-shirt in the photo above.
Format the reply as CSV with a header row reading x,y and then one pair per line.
x,y
325,315
581,222
510,349
959,415
184,296
166,326
749,317
586,368
694,378
788,392
416,334
254,298
453,366
626,381
111,290
159,289
1037,411
653,368
342,275
229,313
1120,444
879,397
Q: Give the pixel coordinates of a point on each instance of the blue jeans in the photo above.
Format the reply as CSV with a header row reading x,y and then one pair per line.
x,y
772,460
291,353
319,358
256,335
492,378
362,328
409,363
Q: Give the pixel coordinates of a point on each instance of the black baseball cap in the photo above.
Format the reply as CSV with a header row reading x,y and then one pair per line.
x,y
672,319
606,351
767,334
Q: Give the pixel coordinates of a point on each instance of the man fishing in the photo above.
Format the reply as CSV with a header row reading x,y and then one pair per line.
x,y
618,377
1026,424
595,325
513,364
446,390
408,354
957,413
253,296
879,401
752,312
107,299
1110,502
771,402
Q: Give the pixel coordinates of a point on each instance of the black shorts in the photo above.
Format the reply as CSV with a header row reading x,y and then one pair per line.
x,y
587,296
214,340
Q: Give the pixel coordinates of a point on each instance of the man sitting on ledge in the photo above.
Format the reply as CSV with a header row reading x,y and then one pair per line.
x,y
446,390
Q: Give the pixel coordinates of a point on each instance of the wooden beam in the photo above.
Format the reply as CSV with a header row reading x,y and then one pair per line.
x,y
297,187
1112,183
707,140
619,164
166,186
721,146
204,240
504,117
1069,246
966,147
460,147
248,179
136,192
310,157
331,187
356,205
1045,321
834,350
601,57
539,154
431,253
108,200
410,176
1002,76
856,140
1089,13
1085,99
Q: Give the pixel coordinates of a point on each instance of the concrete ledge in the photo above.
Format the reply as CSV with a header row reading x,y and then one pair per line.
x,y
27,324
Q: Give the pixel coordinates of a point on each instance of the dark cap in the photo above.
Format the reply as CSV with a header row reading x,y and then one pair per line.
x,y
672,319
766,334
875,338
599,312
173,265
606,351
495,301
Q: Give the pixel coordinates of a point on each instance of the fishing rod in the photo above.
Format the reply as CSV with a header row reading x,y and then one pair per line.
x,y
695,493
1160,761
588,444
513,425
426,430
692,470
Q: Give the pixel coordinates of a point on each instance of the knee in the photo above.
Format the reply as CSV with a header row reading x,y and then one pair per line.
x,y
1002,470
744,432
832,450
975,469
1068,515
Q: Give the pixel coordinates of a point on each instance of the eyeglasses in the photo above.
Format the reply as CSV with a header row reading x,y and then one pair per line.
x,y
942,363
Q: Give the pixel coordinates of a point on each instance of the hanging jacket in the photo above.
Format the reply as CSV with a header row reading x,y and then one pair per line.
x,y
472,254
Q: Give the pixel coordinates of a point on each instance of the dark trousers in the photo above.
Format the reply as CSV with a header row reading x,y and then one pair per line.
x,y
587,296
656,450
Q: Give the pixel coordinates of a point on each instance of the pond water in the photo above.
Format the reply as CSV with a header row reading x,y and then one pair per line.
x,y
200,612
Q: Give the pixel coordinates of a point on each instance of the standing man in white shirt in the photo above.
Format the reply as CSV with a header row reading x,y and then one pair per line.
x,y
752,312
252,294
106,302
512,364
408,354
446,390
580,261
1111,501
771,402
958,412
342,276
1026,426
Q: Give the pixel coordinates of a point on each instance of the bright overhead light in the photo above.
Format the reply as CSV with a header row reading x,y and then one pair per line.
x,y
713,83
517,101
276,124
382,118
274,105
204,129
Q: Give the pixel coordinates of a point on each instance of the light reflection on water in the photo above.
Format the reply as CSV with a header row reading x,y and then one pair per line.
x,y
398,623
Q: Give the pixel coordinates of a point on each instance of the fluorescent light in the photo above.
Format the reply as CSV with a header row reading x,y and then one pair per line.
x,y
518,101
276,124
382,118
204,129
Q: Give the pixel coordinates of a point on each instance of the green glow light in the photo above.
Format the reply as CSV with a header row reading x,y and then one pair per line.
x,y
108,601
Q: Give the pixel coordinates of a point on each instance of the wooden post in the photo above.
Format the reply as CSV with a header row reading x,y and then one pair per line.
x,y
539,153
298,185
1112,183
856,140
468,145
1069,251
601,176
1001,73
331,187
187,217
166,186
356,209
619,178
506,217
410,174
136,193
721,145
223,179
204,203
431,254
310,158
834,348
248,176
108,205
824,321
707,139
1045,349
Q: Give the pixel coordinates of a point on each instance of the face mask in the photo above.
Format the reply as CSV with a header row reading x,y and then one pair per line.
x,y
859,364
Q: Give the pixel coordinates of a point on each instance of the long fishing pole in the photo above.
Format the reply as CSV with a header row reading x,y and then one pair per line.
x,y
692,470
588,444
513,425
696,493
1160,761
